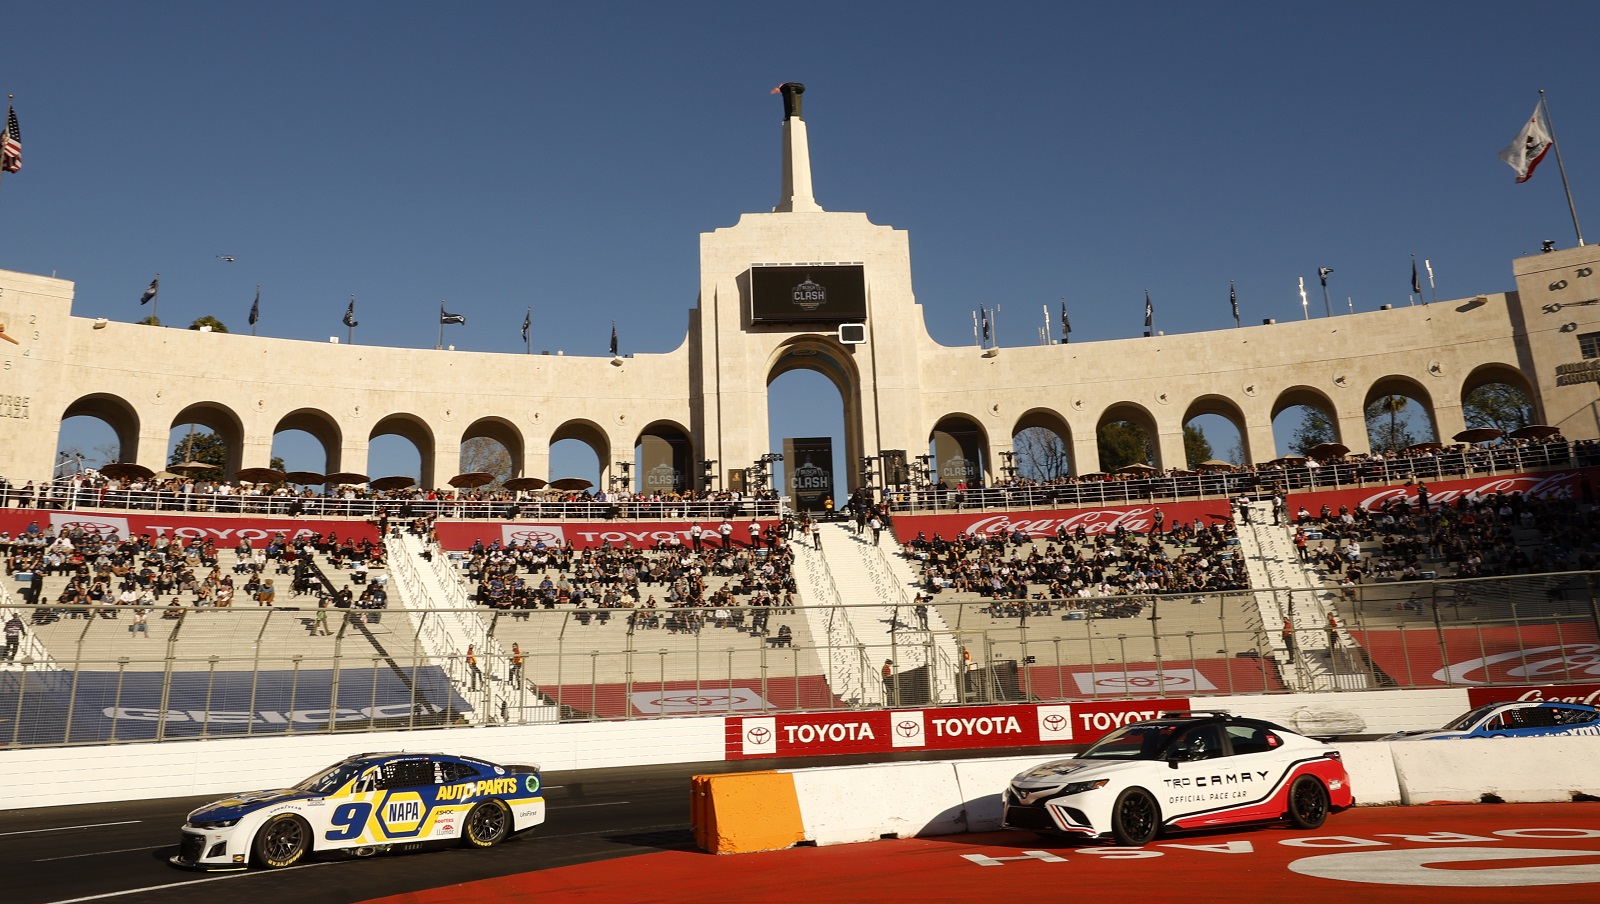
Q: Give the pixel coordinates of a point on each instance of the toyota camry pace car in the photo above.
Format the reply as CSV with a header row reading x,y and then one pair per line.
x,y
364,805
1185,770
1521,719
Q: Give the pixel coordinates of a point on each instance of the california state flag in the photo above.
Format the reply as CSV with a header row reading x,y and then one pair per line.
x,y
1529,147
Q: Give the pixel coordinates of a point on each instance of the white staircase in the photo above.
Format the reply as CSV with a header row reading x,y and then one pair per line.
x,y
846,665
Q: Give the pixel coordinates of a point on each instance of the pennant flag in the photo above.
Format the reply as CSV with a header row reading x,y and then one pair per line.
x,y
1529,147
527,321
350,314
11,145
1416,287
1149,310
150,292
446,318
1233,299
255,307
1322,273
613,338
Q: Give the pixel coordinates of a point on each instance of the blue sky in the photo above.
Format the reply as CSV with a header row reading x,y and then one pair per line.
x,y
568,156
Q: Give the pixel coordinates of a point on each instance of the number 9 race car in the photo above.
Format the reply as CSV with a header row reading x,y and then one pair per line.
x,y
1185,770
364,805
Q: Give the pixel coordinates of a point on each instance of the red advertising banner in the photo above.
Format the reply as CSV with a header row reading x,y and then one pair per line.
x,y
1553,693
590,534
1514,656
1547,485
944,728
224,530
1103,520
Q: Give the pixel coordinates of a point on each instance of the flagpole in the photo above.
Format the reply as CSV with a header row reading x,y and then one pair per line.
x,y
349,329
1431,287
155,302
1049,338
527,321
255,311
441,324
10,101
975,330
1561,166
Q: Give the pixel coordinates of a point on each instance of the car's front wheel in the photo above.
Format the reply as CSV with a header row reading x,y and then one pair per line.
x,y
282,842
487,825
1135,818
1308,803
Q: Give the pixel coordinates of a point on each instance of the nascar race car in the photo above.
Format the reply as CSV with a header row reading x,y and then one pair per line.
x,y
1521,719
364,805
1185,770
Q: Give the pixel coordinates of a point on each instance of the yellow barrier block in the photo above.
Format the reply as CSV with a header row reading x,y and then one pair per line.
x,y
742,812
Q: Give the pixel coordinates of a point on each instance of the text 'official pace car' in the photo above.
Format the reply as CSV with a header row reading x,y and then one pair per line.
x,y
364,805
1189,770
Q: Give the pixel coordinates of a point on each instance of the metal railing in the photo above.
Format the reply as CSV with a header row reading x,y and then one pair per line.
x,y
89,675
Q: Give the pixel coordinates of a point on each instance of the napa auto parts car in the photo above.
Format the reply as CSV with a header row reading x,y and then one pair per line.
x,y
1522,719
1189,770
364,805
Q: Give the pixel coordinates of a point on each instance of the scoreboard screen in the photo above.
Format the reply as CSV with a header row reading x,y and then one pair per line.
x,y
800,293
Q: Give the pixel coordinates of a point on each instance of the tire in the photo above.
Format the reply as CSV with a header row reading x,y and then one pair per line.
x,y
1135,818
283,841
487,825
1308,803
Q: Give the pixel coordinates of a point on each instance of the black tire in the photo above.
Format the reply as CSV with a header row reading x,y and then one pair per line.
x,y
1135,818
1308,803
487,825
283,841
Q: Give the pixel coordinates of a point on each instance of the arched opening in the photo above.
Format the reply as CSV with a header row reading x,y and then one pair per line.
x,y
1126,435
492,445
814,422
1498,396
307,440
95,430
402,445
1213,428
1399,415
1041,446
663,460
581,449
1302,417
959,448
207,432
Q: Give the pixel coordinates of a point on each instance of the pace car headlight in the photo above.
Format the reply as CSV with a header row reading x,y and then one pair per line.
x,y
1080,787
218,824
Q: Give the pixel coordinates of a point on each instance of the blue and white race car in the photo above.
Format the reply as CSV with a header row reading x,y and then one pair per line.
x,y
364,805
1520,719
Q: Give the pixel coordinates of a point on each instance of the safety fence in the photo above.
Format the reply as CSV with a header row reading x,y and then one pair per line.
x,y
82,675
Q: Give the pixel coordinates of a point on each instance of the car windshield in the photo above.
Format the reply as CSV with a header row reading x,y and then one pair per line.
x,y
1133,742
330,780
1469,719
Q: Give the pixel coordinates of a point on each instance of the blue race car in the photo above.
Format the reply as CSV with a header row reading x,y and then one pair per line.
x,y
1520,719
363,805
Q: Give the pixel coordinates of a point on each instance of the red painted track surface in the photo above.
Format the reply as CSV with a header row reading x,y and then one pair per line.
x,y
1460,855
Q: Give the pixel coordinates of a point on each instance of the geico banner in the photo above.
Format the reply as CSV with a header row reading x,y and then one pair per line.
x,y
1548,485
1551,693
944,728
1103,519
222,529
589,534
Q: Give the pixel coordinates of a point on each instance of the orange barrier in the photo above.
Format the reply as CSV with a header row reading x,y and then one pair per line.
x,y
744,812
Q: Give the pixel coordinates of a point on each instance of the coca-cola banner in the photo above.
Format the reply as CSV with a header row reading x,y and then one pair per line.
x,y
224,530
946,728
1102,520
1548,485
1514,655
590,534
1553,693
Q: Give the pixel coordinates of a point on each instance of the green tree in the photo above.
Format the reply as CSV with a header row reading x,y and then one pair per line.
x,y
1040,454
1498,405
216,325
152,320
1315,429
1122,443
1196,448
207,448
1388,426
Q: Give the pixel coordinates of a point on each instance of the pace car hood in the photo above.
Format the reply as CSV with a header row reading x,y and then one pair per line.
x,y
240,804
1059,771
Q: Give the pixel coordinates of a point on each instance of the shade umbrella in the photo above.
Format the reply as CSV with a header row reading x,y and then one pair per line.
x,y
309,478
1535,431
1216,464
396,482
1478,435
1425,447
346,477
1288,460
191,467
471,480
571,483
124,470
1137,467
518,484
1325,451
260,475
159,475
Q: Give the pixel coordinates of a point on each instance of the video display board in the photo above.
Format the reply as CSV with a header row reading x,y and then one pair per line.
x,y
803,293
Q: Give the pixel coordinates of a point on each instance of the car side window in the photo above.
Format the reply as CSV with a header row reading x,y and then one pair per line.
x,y
406,774
455,772
1250,739
1565,716
1202,742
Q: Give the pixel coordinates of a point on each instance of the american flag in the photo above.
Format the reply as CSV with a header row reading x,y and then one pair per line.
x,y
11,147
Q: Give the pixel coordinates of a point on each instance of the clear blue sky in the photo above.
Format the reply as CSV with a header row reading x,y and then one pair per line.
x,y
566,156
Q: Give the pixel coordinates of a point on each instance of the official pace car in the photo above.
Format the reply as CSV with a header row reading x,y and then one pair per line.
x,y
1185,770
364,805
1519,719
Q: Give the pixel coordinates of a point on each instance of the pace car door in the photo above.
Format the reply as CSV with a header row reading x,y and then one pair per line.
x,y
1217,784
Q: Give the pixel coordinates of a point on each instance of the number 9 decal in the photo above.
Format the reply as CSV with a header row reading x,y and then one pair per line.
x,y
349,820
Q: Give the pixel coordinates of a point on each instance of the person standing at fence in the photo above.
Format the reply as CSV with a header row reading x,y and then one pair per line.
x,y
694,536
472,666
725,531
515,676
320,626
888,680
13,631
876,524
816,534
1288,636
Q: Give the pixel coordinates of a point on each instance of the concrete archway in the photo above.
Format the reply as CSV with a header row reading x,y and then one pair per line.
x,y
220,420
960,449
1041,445
116,413
416,431
322,427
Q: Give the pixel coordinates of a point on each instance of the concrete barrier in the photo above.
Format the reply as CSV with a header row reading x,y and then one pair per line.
x,y
1515,770
745,812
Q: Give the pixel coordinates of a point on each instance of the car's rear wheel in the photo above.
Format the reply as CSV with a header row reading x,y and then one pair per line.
x,y
1308,803
282,842
1135,818
487,825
